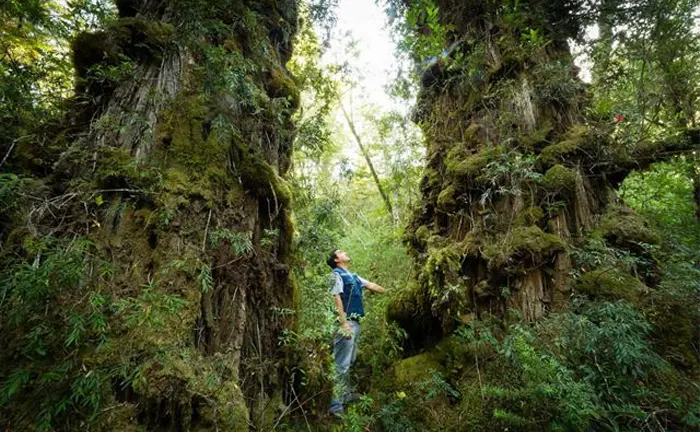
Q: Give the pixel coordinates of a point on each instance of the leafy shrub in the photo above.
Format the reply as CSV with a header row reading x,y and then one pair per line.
x,y
49,314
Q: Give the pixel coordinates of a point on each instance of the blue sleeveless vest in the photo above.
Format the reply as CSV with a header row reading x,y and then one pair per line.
x,y
352,294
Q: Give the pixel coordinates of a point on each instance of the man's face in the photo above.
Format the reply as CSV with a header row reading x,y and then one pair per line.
x,y
342,257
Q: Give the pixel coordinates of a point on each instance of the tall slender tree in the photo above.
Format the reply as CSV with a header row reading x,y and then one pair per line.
x,y
368,159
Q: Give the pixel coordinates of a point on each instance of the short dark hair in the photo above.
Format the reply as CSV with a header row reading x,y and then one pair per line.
x,y
331,259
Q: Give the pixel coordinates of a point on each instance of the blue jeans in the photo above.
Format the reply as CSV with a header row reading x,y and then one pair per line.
x,y
345,351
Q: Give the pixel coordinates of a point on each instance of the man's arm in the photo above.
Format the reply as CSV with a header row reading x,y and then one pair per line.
x,y
341,316
339,309
336,290
374,287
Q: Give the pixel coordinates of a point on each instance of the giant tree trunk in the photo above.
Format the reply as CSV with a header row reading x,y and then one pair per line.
x,y
172,168
516,175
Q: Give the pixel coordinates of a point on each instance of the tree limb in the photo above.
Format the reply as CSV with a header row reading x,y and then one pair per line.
x,y
647,153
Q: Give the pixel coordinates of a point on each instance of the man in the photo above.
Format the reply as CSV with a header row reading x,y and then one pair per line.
x,y
346,288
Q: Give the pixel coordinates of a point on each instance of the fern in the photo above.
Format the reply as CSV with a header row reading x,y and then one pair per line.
x,y
205,279
241,243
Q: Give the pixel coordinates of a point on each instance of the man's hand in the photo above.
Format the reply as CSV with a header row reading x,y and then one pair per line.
x,y
375,288
346,330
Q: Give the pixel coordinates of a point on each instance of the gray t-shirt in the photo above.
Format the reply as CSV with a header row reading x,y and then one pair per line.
x,y
337,283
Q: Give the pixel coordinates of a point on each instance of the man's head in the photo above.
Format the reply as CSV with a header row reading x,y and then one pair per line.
x,y
338,258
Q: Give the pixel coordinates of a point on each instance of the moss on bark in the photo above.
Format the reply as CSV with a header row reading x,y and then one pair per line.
x,y
516,175
172,176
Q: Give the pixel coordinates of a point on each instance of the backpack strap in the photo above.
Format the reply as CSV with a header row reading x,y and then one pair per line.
x,y
340,272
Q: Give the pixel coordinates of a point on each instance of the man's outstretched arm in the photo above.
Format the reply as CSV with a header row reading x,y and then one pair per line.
x,y
374,287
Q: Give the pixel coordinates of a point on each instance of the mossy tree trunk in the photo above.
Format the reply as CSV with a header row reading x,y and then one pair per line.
x,y
172,168
517,175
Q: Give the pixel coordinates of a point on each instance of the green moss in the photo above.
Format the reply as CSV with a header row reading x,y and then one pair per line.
x,y
676,326
199,163
648,150
448,357
116,168
446,199
421,236
437,241
559,178
114,163
574,141
227,410
121,418
136,34
90,49
180,133
423,233
132,37
177,374
610,283
413,370
458,164
431,178
260,177
471,245
540,135
443,259
281,84
404,303
512,51
441,267
234,195
283,242
182,186
623,226
410,308
439,263
529,241
473,133
416,236
530,216
482,289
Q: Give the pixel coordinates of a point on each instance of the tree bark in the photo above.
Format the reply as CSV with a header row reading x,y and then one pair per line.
x,y
695,176
180,136
516,174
